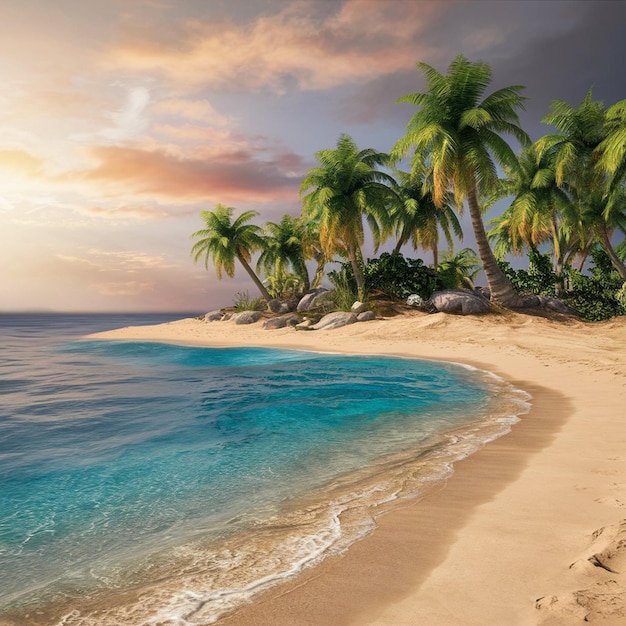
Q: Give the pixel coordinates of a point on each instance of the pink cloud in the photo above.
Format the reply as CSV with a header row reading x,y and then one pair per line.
x,y
235,177
362,40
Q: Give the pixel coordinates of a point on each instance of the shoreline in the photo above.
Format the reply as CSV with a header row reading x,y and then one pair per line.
x,y
507,526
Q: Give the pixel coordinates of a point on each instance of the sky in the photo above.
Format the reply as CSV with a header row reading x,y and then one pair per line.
x,y
120,121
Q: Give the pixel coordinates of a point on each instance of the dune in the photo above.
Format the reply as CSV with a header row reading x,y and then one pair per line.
x,y
529,530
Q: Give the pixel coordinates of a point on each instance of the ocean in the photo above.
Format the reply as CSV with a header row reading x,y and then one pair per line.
x,y
146,483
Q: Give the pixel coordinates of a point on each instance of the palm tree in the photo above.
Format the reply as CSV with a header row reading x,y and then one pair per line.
x,y
576,152
463,266
612,148
346,187
224,240
284,245
418,219
540,211
456,135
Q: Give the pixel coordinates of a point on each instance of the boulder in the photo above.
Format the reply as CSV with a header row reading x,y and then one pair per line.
x,y
335,320
358,307
282,306
274,305
554,304
247,317
291,319
366,316
313,299
214,316
460,302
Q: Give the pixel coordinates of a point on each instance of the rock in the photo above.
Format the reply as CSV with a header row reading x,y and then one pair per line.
x,y
274,305
314,299
358,307
415,300
460,302
335,320
304,325
554,304
247,317
228,315
366,316
214,316
291,319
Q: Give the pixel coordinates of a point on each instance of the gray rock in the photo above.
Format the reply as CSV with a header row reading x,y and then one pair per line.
x,y
335,320
247,317
358,307
228,315
291,319
274,305
415,300
460,302
554,304
314,299
214,316
366,316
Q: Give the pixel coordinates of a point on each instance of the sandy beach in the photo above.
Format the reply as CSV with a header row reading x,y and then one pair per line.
x,y
529,530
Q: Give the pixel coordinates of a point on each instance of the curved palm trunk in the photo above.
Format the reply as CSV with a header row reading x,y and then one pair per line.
x,y
608,248
354,254
255,278
502,290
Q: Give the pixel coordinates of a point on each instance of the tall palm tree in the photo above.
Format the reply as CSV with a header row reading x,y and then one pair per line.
x,y
345,188
224,240
284,244
418,219
576,152
456,135
540,211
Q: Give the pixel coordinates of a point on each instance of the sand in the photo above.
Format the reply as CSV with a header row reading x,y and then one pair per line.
x,y
529,530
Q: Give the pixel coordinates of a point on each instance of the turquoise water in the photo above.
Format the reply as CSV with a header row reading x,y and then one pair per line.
x,y
126,462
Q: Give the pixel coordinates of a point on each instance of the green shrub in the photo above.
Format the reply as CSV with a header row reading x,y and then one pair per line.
x,y
595,296
399,277
344,294
243,302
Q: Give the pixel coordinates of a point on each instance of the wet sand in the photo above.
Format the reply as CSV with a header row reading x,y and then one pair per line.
x,y
529,530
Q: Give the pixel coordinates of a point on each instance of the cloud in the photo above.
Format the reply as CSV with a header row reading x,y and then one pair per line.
x,y
302,43
234,177
196,110
135,212
21,162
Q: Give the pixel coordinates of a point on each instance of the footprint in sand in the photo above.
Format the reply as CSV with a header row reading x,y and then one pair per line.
x,y
609,501
602,571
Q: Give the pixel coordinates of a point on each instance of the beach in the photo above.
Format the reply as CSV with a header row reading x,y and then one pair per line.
x,y
529,530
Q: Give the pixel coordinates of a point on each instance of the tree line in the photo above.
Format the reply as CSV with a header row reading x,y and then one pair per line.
x,y
567,191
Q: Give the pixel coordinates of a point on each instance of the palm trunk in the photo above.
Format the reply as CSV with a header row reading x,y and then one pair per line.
x,y
608,248
501,288
436,257
354,253
303,272
320,260
255,278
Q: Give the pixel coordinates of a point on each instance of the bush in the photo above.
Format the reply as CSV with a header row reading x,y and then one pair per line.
x,y
539,279
596,296
344,294
399,277
243,302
